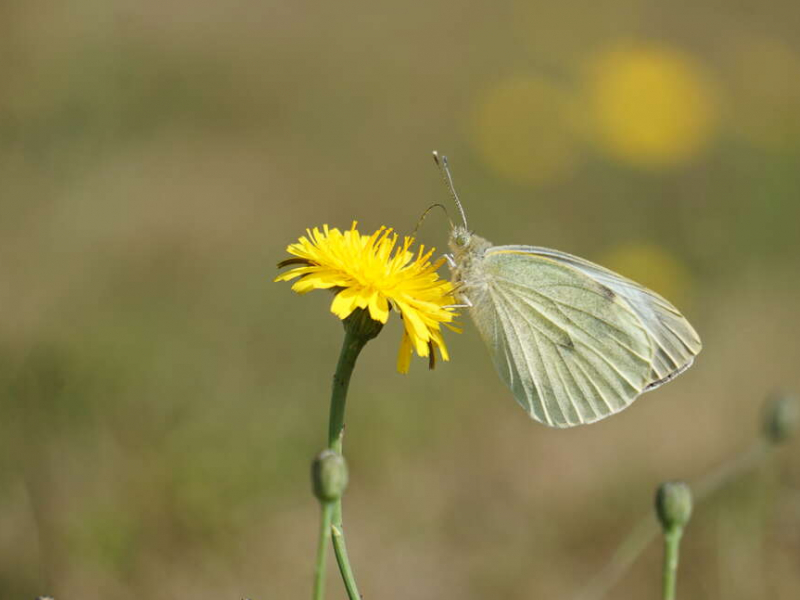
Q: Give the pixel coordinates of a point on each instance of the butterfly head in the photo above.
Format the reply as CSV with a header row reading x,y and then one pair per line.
x,y
466,246
460,238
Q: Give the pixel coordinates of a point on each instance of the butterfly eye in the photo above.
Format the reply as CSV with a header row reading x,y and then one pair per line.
x,y
461,237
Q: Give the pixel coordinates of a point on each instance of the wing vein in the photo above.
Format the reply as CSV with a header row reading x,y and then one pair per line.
x,y
500,307
537,332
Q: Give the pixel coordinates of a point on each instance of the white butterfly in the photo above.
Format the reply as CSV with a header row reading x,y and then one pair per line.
x,y
574,341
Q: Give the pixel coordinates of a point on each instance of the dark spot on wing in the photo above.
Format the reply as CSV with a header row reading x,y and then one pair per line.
x,y
608,293
568,344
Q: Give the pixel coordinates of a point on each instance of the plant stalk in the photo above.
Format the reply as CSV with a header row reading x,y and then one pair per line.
x,y
672,542
322,550
359,329
353,343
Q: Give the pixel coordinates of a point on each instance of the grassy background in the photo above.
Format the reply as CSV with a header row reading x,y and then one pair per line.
x,y
160,398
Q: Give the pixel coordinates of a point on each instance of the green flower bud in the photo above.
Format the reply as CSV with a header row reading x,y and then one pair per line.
x,y
362,324
781,417
673,504
329,476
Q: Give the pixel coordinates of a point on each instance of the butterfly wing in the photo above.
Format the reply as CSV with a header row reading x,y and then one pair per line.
x,y
571,351
676,341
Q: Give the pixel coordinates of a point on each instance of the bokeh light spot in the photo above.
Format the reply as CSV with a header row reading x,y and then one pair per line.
x,y
522,129
652,106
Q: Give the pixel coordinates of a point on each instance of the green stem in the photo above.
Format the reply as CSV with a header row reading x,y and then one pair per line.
x,y
672,542
645,531
359,329
344,563
322,550
353,343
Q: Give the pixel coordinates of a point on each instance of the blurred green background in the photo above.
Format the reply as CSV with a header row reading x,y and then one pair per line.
x,y
162,398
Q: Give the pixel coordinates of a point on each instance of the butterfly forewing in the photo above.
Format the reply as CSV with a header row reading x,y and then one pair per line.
x,y
676,341
571,350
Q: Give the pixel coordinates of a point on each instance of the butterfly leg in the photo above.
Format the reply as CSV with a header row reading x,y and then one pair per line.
x,y
451,262
466,304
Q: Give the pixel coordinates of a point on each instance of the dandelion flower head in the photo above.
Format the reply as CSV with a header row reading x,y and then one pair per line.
x,y
373,272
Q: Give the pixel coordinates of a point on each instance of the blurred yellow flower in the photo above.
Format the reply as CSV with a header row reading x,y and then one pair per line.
x,y
522,128
653,106
652,266
369,272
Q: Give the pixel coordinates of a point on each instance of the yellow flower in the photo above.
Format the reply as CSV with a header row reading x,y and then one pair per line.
x,y
369,272
654,106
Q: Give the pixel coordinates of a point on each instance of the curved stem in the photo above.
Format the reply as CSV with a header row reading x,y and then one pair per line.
x,y
359,328
730,470
354,342
344,563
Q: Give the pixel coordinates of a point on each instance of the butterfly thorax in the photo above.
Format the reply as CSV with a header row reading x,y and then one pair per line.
x,y
468,253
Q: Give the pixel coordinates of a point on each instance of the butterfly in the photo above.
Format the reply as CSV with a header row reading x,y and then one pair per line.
x,y
574,341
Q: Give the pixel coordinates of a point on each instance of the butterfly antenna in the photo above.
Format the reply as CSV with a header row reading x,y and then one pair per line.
x,y
444,169
425,214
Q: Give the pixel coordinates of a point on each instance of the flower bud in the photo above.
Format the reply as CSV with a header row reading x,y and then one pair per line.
x,y
329,476
362,324
781,417
673,504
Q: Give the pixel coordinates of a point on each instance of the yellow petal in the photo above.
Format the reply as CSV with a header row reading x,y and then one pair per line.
x,y
439,343
344,303
404,355
378,307
305,285
288,276
416,328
